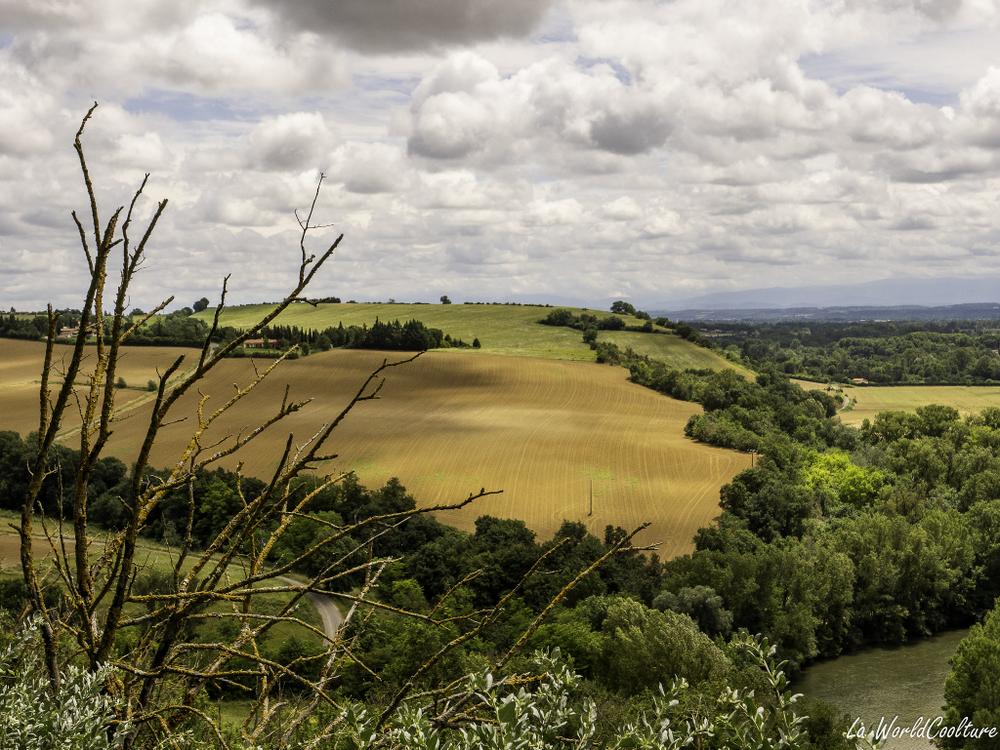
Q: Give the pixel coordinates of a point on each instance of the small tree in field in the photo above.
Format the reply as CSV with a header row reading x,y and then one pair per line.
x,y
152,666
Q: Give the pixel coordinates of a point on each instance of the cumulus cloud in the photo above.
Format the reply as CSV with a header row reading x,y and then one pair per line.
x,y
980,107
622,209
631,128
453,124
24,110
939,10
142,151
567,211
289,142
663,224
368,168
466,107
395,25
889,119
543,149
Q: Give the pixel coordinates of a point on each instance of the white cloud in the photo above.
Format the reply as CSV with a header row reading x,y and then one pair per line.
x,y
465,107
25,107
560,148
142,151
622,209
291,141
663,224
566,211
370,168
980,109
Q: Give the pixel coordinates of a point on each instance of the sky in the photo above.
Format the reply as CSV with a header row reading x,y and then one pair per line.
x,y
572,151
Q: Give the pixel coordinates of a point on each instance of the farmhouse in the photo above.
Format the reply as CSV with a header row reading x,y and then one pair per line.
x,y
859,381
260,343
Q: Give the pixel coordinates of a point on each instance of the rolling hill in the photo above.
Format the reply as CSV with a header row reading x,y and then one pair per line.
x,y
502,329
545,431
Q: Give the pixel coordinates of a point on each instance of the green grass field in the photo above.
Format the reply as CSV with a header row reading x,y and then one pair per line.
x,y
867,401
671,349
153,556
157,557
502,329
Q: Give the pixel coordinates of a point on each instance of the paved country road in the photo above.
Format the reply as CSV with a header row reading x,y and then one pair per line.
x,y
328,610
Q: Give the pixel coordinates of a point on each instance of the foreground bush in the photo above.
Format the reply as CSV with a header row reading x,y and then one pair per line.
x,y
545,709
33,716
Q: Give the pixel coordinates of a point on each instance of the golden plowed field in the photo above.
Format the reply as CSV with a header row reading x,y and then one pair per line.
x,y
543,431
20,374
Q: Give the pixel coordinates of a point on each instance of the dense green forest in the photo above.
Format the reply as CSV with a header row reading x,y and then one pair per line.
x,y
949,352
173,329
393,335
591,324
841,537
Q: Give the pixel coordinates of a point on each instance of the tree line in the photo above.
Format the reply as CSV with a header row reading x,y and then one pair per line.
x,y
927,353
179,328
412,335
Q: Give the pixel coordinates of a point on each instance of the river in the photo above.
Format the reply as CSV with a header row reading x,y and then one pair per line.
x,y
907,682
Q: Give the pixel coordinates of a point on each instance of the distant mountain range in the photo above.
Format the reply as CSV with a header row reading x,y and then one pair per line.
x,y
894,292
974,311
885,299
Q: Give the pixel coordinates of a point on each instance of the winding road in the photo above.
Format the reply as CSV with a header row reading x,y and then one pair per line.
x,y
329,612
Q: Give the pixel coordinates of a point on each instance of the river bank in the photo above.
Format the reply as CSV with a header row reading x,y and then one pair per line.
x,y
905,682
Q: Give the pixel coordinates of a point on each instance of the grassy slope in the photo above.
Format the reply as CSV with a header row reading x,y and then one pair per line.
x,y
153,556
541,430
671,349
502,329
20,368
869,400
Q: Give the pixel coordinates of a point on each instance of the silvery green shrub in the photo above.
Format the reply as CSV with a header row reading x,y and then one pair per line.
x,y
34,717
551,715
481,713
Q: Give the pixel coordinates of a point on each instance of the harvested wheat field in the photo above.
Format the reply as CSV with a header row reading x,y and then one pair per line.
x,y
20,375
543,431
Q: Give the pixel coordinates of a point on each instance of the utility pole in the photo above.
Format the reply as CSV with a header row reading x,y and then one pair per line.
x,y
591,511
